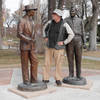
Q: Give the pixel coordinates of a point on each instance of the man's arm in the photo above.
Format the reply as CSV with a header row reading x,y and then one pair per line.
x,y
83,33
46,29
70,33
20,32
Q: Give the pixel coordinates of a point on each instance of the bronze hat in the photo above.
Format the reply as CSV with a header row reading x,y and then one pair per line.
x,y
73,8
29,7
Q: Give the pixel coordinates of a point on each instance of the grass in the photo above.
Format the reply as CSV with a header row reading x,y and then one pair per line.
x,y
87,64
10,58
92,53
90,64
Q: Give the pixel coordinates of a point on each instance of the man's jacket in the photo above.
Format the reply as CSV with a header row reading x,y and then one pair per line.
x,y
56,33
25,31
77,26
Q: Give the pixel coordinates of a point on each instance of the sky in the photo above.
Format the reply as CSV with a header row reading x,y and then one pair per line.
x,y
13,5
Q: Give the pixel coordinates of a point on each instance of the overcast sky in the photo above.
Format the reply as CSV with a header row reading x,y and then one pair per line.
x,y
13,5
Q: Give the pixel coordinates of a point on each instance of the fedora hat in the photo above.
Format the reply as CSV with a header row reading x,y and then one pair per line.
x,y
29,7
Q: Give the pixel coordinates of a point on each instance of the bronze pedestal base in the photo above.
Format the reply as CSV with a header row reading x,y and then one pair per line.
x,y
32,86
75,81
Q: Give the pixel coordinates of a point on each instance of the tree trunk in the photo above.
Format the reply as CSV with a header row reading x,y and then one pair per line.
x,y
21,8
93,27
51,7
60,4
38,31
1,23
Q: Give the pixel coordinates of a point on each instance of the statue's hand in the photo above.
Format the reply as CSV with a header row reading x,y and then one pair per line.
x,y
33,40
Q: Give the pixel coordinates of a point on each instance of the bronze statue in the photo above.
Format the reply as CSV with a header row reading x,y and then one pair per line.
x,y
27,47
74,49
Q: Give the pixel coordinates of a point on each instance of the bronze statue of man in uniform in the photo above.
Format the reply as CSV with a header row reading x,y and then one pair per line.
x,y
26,35
74,48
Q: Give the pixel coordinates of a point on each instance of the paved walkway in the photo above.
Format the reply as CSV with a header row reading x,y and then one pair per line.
x,y
14,78
91,58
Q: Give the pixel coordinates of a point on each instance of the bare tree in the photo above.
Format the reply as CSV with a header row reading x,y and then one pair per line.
x,y
1,22
21,7
92,19
44,13
51,7
60,4
38,29
93,25
38,18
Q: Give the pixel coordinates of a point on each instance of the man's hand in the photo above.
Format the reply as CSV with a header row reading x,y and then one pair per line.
x,y
84,46
46,39
60,43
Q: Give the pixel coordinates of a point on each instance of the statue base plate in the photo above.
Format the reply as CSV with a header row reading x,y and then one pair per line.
x,y
75,81
32,94
32,86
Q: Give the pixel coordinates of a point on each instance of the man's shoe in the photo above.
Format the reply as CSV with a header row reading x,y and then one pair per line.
x,y
58,82
79,78
70,77
45,81
27,83
34,81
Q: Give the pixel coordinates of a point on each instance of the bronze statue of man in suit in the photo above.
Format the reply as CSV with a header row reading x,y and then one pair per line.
x,y
27,45
26,35
74,48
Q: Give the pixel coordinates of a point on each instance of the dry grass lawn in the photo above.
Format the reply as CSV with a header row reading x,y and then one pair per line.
x,y
92,53
11,59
